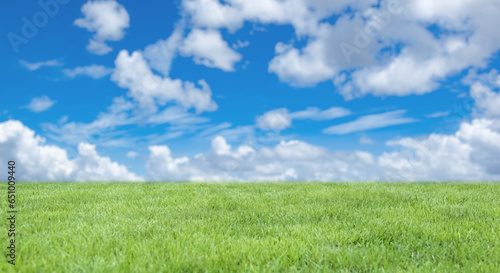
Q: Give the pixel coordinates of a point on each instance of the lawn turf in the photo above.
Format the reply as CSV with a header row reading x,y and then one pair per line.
x,y
255,227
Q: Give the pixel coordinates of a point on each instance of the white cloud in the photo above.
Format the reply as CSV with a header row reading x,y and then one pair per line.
x,y
370,122
205,46
491,78
403,58
474,149
149,90
175,115
278,119
156,99
98,47
395,50
487,100
38,65
215,129
240,44
438,114
40,104
161,54
466,39
302,14
483,137
94,71
108,19
429,159
37,161
107,128
315,113
301,68
366,140
162,166
298,150
132,154
220,146
209,49
238,133
91,166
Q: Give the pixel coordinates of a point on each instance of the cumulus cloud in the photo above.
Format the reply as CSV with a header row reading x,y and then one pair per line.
x,y
38,65
149,90
396,48
289,160
416,160
483,137
40,104
107,19
161,53
370,122
232,14
380,48
38,161
94,71
474,149
209,49
278,119
154,99
487,100
301,68
491,78
206,46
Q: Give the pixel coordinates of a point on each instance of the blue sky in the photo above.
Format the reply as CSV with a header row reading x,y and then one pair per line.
x,y
276,86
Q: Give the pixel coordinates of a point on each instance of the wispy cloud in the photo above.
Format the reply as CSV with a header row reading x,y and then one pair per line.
x,y
106,130
94,71
214,129
280,119
438,115
315,113
366,140
370,122
38,65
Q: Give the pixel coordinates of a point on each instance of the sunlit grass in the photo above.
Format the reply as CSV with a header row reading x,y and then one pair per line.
x,y
263,227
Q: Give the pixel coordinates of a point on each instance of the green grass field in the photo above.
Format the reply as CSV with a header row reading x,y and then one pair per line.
x,y
262,227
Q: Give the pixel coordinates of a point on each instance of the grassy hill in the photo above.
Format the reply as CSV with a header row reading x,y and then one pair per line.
x,y
255,227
